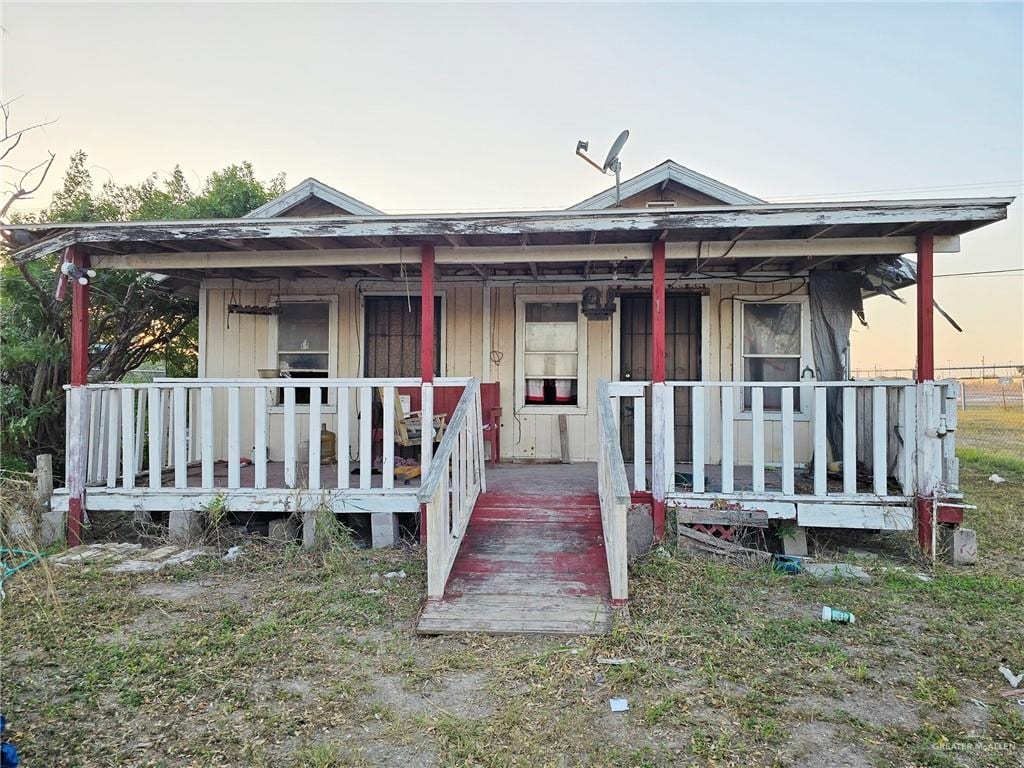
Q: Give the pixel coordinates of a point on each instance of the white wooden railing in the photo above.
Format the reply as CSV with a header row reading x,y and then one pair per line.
x,y
450,487
160,433
892,427
613,491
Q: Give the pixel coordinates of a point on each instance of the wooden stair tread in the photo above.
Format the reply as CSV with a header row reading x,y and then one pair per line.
x,y
517,613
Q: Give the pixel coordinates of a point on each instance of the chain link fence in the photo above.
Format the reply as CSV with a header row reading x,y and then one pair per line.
x,y
991,417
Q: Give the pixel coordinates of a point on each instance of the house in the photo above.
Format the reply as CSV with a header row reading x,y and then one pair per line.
x,y
687,351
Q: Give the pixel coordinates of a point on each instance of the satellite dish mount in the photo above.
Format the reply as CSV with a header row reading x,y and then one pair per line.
x,y
611,162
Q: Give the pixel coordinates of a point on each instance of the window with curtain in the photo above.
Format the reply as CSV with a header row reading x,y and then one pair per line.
x,y
551,353
303,344
771,348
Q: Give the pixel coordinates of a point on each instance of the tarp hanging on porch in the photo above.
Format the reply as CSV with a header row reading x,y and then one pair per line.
x,y
834,297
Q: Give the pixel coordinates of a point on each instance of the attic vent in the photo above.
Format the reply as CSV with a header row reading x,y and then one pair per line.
x,y
661,203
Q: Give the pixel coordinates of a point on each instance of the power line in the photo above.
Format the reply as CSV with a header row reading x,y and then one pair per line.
x,y
983,272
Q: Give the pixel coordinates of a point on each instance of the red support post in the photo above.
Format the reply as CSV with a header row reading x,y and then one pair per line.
x,y
77,449
427,314
427,356
658,311
658,359
925,365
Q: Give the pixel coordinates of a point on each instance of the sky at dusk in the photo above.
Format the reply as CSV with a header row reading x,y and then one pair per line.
x,y
470,107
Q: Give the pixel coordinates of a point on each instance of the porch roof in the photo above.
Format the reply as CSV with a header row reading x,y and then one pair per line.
x,y
150,243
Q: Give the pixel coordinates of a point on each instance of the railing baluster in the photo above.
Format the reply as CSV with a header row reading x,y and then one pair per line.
x,y
167,406
313,473
206,435
849,440
155,434
289,437
728,452
180,429
757,436
140,427
259,448
908,425
365,436
113,436
697,408
344,437
387,465
127,438
820,442
788,479
878,440
234,447
92,434
639,443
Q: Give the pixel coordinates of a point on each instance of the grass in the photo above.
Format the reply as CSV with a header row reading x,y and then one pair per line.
x,y
290,658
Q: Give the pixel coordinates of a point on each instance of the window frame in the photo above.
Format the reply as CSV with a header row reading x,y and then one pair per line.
x,y
521,406
332,344
806,354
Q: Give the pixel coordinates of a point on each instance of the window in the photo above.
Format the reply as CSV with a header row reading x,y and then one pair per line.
x,y
772,343
550,344
303,344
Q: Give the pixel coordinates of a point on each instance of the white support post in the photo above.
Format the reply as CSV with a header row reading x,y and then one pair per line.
x,y
180,433
387,466
289,438
728,452
206,435
113,436
878,440
313,472
365,437
155,434
344,437
697,408
668,409
128,439
234,447
427,426
639,443
850,440
788,479
820,442
757,436
259,449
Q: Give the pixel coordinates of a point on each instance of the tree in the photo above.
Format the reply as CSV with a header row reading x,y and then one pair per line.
x,y
131,320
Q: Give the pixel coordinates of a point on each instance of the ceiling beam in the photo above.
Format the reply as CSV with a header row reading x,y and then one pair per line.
x,y
456,241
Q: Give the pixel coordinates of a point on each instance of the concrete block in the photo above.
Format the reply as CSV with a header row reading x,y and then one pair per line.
x,y
639,529
283,531
963,546
794,542
309,529
383,529
184,526
52,527
830,572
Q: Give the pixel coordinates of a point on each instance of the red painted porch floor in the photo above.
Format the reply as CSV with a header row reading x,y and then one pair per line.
x,y
532,560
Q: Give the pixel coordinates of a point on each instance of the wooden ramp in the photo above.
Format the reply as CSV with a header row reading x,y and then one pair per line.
x,y
528,564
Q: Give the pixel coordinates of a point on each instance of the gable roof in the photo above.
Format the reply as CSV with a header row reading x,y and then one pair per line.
x,y
311,188
665,172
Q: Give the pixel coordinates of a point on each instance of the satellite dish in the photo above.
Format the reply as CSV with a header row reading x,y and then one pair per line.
x,y
613,153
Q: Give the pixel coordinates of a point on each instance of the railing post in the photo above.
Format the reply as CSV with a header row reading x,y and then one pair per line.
x,y
925,375
658,475
78,402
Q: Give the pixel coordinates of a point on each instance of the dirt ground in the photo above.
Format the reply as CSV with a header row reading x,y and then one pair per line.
x,y
283,658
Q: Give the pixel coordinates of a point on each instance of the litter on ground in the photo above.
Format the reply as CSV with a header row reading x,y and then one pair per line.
x,y
618,705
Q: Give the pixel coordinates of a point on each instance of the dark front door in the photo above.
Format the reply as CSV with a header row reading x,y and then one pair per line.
x,y
391,341
682,361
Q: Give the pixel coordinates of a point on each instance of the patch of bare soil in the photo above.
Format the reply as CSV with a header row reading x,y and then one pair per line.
x,y
878,708
240,592
817,745
460,694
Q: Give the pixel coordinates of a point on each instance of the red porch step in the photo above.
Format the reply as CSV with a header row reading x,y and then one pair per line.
x,y
528,564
